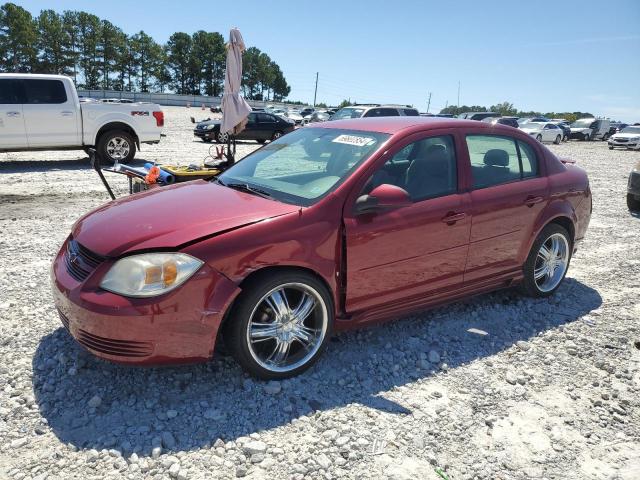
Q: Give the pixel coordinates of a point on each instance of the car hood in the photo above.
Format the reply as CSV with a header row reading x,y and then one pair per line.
x,y
167,217
580,129
531,129
208,122
625,135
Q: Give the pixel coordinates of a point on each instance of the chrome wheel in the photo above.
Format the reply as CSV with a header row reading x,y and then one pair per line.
x,y
551,262
223,137
118,148
287,327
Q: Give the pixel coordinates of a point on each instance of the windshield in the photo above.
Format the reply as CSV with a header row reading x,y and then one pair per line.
x,y
630,130
303,166
348,112
583,123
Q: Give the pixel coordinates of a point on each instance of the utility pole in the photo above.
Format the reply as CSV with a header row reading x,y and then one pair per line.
x,y
446,104
316,92
429,102
458,93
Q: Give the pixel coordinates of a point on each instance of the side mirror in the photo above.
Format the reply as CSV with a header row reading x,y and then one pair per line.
x,y
383,197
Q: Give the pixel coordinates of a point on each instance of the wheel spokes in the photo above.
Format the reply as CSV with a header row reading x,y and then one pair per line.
x,y
277,301
263,331
280,353
304,308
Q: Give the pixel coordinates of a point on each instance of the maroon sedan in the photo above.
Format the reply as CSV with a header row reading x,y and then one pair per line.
x,y
327,228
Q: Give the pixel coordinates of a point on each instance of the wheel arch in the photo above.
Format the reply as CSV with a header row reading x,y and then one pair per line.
x,y
269,269
117,125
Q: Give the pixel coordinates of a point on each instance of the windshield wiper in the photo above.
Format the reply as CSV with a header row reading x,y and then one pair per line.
x,y
245,187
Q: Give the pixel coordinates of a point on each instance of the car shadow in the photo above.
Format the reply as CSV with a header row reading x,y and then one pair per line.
x,y
200,403
35,166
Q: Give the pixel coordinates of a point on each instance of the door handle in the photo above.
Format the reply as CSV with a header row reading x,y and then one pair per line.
x,y
13,114
67,113
452,217
531,200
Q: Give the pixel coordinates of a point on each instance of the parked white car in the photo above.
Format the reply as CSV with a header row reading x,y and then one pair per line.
x,y
628,137
591,129
43,112
543,131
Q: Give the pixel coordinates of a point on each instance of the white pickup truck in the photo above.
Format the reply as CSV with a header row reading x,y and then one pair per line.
x,y
43,112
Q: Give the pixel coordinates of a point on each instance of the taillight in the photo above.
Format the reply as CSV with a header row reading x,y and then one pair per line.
x,y
159,118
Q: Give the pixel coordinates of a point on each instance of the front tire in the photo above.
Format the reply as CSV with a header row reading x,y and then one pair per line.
x,y
548,262
586,137
280,324
221,137
539,138
116,145
633,203
558,140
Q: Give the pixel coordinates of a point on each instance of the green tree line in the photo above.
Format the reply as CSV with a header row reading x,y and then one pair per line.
x,y
99,55
508,109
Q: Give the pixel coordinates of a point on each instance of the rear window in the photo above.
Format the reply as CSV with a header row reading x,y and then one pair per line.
x,y
411,112
10,92
44,91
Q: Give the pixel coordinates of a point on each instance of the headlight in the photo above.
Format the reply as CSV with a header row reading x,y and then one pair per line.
x,y
634,139
210,127
149,274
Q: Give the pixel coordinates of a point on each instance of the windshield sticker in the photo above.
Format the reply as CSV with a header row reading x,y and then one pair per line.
x,y
354,140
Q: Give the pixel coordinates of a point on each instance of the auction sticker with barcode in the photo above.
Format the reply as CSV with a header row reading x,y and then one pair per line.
x,y
356,140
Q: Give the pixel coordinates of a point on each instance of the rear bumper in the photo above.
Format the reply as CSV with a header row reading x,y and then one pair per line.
x,y
179,327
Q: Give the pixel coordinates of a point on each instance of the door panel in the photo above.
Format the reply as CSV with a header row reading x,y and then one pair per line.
x,y
406,252
503,218
51,115
12,131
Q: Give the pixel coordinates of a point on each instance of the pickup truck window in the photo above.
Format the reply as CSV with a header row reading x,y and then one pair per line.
x,y
10,92
44,91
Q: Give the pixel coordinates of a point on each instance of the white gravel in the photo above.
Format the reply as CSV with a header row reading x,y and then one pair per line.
x,y
499,386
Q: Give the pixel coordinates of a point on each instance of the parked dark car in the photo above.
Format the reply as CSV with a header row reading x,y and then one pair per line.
x,y
319,117
509,121
338,225
260,127
566,130
633,189
478,115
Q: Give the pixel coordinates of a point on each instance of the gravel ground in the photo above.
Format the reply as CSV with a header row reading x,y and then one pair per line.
x,y
499,386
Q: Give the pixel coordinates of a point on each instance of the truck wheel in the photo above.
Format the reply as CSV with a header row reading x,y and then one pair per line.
x,y
116,145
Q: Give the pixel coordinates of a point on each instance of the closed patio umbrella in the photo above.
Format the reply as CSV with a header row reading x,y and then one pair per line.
x,y
235,109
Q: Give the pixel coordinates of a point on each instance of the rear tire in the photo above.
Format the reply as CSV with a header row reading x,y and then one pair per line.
x,y
261,140
276,135
545,268
270,333
116,145
633,203
558,140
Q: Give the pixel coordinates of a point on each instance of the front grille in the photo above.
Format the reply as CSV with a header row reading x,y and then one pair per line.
x,y
621,140
110,346
63,319
80,261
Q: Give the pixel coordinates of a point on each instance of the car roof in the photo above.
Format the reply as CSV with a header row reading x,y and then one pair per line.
x,y
41,76
392,125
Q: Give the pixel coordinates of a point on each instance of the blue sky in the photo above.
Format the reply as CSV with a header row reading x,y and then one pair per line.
x,y
549,56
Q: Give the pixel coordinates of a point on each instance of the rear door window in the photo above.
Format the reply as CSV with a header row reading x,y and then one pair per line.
x,y
265,118
10,91
382,112
411,112
496,160
44,91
